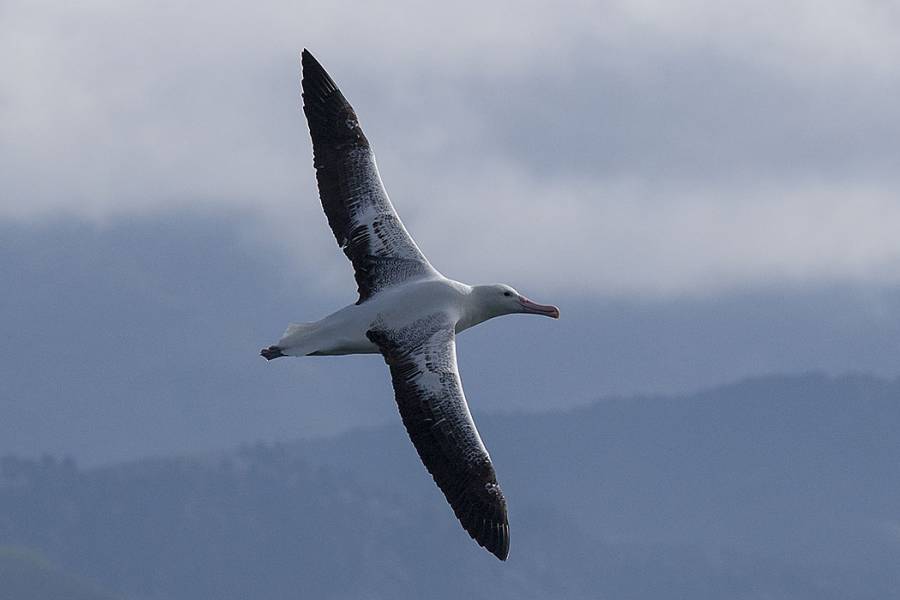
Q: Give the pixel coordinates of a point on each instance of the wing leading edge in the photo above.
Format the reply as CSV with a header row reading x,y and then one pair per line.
x,y
360,214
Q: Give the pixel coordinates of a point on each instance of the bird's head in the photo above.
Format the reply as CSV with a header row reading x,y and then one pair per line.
x,y
500,299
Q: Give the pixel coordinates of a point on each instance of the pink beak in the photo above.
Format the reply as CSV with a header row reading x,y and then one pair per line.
x,y
548,310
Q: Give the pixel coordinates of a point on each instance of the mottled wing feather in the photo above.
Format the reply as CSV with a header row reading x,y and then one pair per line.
x,y
359,211
422,360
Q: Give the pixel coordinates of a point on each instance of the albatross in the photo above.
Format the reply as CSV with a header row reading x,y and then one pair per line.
x,y
407,311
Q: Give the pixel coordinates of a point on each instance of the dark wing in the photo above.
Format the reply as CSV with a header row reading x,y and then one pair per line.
x,y
422,359
359,211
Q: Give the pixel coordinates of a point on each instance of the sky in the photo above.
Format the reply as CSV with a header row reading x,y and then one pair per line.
x,y
708,190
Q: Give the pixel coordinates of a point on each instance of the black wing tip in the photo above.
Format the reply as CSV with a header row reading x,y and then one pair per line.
x,y
330,117
502,550
495,539
308,60
490,532
315,77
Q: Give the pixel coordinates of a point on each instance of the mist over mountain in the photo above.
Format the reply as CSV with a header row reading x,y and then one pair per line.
x,y
773,487
140,338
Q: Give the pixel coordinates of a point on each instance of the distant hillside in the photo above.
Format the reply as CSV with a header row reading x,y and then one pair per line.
x,y
27,576
792,466
777,487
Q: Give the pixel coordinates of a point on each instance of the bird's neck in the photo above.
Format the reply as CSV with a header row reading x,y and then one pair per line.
x,y
474,310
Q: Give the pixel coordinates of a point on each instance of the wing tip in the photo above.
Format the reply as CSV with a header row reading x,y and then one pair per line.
x,y
315,78
330,117
495,540
492,534
308,60
502,550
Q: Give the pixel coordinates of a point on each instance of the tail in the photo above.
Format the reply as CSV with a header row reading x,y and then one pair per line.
x,y
292,343
296,331
271,352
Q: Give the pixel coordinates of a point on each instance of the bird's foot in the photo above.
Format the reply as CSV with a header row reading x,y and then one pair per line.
x,y
271,352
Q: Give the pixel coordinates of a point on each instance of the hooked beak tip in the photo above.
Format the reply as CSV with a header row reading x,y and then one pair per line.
x,y
548,310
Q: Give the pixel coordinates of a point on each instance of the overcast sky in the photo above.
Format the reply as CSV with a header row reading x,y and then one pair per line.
x,y
620,147
709,190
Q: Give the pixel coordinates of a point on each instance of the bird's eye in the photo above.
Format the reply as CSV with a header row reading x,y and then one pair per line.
x,y
507,294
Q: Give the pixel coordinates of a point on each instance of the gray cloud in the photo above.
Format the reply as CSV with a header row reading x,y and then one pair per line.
x,y
623,147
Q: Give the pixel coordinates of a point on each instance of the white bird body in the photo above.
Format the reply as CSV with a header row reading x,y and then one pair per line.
x,y
344,331
407,312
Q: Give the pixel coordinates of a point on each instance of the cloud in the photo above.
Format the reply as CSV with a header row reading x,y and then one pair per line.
x,y
141,337
629,237
624,147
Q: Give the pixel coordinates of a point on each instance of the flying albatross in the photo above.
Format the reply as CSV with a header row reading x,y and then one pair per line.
x,y
407,311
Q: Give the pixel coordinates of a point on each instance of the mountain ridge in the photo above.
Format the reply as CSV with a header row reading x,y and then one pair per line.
x,y
782,486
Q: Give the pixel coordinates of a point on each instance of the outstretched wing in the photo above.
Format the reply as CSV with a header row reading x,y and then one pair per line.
x,y
422,359
359,211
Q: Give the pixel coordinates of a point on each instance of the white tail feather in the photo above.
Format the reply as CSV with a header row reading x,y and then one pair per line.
x,y
299,339
297,329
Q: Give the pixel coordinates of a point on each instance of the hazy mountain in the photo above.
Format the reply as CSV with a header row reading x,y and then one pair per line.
x,y
140,337
778,487
25,575
817,457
